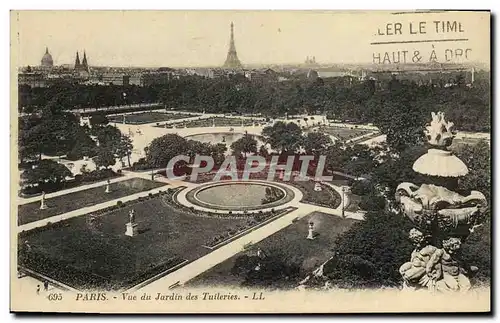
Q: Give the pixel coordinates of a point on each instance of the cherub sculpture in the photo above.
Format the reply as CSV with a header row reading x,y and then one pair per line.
x,y
453,275
414,272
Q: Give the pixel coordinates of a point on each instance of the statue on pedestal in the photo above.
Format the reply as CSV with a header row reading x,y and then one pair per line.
x,y
131,226
43,206
107,187
311,233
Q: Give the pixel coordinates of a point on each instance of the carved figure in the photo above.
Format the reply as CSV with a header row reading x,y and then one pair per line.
x,y
131,216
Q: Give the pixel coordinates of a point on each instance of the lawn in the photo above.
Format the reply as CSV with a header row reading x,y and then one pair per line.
x,y
374,135
327,197
69,202
458,142
147,117
290,243
84,253
346,133
219,122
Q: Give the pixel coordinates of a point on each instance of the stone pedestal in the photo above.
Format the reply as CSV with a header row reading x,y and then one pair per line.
x,y
43,206
107,189
131,230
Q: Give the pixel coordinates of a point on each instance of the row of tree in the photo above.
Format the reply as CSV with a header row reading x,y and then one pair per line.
x,y
80,96
357,101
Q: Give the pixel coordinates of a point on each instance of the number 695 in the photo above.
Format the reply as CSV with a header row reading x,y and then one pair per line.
x,y
55,297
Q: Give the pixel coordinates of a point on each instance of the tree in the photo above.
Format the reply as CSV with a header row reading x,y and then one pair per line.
x,y
478,160
109,137
361,160
52,132
84,146
105,158
263,151
284,137
218,153
476,251
46,172
397,168
337,157
370,253
125,148
246,144
164,148
400,117
98,120
316,143
275,269
33,138
372,202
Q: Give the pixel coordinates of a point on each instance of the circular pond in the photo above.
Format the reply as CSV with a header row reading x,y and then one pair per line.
x,y
240,195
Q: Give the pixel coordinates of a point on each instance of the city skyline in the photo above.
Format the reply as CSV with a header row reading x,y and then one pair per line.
x,y
201,39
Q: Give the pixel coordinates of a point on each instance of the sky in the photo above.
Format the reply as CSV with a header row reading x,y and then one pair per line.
x,y
201,38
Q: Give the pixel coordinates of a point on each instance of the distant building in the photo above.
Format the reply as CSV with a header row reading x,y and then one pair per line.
x,y
232,60
311,61
82,67
205,72
267,75
33,79
157,77
47,60
114,79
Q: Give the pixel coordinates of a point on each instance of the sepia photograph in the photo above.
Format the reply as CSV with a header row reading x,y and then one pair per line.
x,y
250,161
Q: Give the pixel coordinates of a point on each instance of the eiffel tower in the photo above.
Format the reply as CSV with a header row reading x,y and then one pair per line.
x,y
232,60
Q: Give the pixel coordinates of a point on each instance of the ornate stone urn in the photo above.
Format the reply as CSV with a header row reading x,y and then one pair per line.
x,y
442,217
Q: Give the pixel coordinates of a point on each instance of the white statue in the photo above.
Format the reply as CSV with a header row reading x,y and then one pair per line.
x,y
42,202
131,216
310,235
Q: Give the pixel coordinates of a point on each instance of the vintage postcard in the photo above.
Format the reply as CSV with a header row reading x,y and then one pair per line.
x,y
250,161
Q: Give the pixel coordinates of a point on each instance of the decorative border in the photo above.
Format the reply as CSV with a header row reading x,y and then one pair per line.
x,y
191,196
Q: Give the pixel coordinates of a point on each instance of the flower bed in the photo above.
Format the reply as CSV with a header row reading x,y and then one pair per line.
x,y
147,117
219,122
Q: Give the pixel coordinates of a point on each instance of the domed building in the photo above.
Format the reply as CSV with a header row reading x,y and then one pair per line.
x,y
47,60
